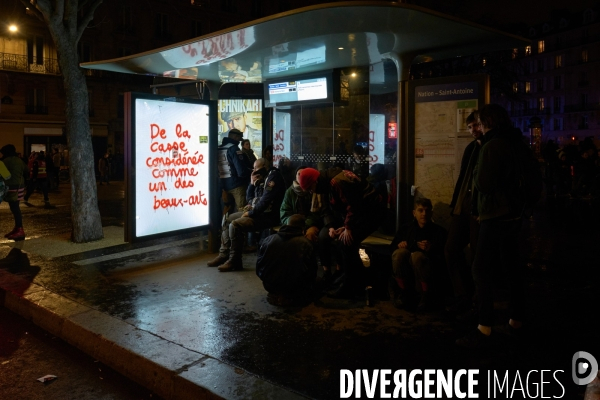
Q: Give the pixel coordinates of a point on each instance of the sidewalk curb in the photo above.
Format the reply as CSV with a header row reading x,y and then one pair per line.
x,y
168,369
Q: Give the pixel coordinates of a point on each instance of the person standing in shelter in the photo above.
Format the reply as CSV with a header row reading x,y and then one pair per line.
x,y
16,188
359,206
248,152
264,214
38,178
464,227
499,210
286,264
104,169
234,168
418,253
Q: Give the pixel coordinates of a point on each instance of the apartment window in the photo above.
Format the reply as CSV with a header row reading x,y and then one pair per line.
x,y
540,85
483,61
256,8
557,104
515,53
560,41
228,5
196,28
557,81
515,87
584,122
35,50
584,55
526,105
125,21
84,52
588,16
540,46
162,25
583,99
527,87
36,101
541,104
527,50
124,52
558,61
540,65
585,35
557,124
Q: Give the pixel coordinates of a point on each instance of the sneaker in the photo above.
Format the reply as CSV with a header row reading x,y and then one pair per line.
x,y
28,204
17,235
231,265
475,340
217,261
11,232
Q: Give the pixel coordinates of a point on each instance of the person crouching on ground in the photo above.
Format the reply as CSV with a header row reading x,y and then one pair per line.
x,y
287,264
418,251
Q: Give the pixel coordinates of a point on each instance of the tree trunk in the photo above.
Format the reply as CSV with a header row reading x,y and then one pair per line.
x,y
85,216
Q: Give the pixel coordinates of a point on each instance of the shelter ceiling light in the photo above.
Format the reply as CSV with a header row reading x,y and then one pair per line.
x,y
340,48
13,28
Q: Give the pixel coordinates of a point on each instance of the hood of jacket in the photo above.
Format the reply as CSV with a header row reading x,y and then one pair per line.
x,y
288,232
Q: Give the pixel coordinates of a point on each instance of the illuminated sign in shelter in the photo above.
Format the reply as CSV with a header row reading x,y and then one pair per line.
x,y
171,147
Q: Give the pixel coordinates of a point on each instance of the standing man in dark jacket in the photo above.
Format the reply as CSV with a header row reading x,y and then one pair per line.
x,y
264,214
418,251
361,209
234,168
496,189
464,227
287,264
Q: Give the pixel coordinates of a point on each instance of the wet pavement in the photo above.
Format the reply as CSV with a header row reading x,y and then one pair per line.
x,y
164,287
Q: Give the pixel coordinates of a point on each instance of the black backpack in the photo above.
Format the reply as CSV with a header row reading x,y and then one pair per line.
x,y
529,179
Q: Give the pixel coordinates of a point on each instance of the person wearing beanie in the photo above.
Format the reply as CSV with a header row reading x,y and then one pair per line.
x,y
311,206
16,189
355,211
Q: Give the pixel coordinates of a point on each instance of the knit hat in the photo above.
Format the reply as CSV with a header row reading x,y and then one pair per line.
x,y
307,177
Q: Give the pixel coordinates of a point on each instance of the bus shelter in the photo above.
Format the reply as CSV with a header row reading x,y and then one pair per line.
x,y
324,85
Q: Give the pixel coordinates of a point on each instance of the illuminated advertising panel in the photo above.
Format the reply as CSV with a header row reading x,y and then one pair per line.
x,y
171,150
244,115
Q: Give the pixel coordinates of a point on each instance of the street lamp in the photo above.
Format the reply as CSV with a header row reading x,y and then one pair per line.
x,y
13,28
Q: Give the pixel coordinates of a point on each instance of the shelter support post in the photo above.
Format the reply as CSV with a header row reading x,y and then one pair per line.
x,y
405,161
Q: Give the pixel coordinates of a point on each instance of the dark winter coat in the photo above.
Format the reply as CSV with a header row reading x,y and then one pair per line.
x,y
286,262
234,166
495,177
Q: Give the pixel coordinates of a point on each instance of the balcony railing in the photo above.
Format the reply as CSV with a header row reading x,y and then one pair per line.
x,y
21,63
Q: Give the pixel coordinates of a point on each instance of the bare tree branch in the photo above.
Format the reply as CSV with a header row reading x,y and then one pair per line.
x,y
32,6
89,15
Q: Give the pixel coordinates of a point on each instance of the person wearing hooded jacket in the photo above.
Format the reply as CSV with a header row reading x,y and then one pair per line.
x,y
16,188
358,208
286,263
495,180
234,168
